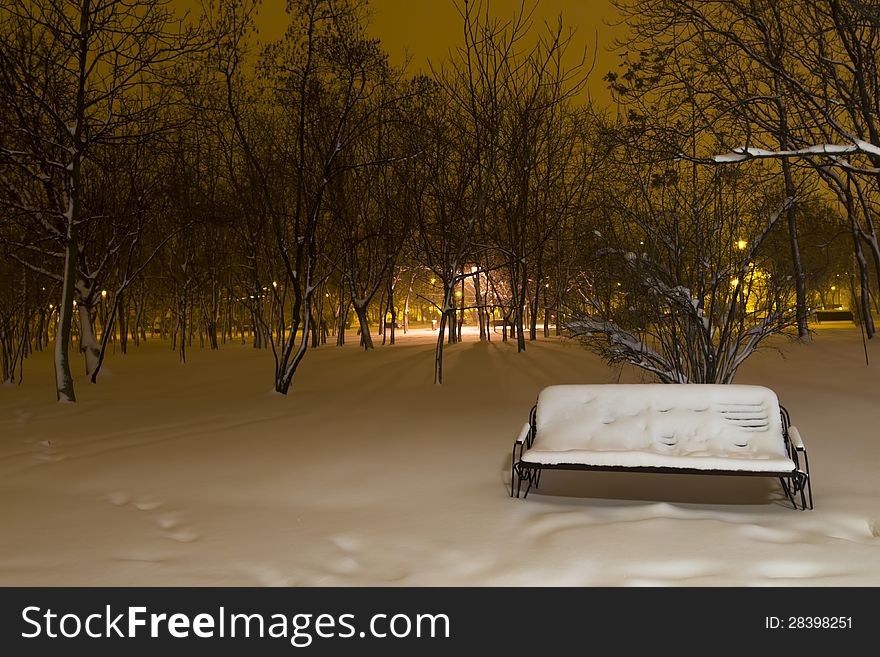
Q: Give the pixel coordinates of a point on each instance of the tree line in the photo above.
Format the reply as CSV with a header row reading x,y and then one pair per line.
x,y
168,172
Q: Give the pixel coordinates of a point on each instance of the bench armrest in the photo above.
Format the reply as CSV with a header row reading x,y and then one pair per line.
x,y
516,475
796,441
524,434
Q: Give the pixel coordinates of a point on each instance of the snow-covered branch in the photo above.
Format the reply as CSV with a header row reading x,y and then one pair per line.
x,y
834,151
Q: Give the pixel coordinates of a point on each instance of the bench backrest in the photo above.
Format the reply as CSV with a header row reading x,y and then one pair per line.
x,y
683,419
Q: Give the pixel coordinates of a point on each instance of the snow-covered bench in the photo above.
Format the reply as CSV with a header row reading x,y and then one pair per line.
x,y
696,428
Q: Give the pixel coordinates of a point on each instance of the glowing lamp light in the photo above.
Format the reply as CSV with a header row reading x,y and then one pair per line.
x,y
274,283
458,294
51,306
741,245
546,284
833,287
103,294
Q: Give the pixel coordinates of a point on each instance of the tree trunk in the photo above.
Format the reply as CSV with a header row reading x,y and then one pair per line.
x,y
63,379
88,341
73,188
518,314
139,328
406,302
123,322
461,310
864,282
438,351
799,277
390,311
360,309
211,313
342,319
451,334
393,322
533,311
181,327
300,313
38,336
318,337
478,302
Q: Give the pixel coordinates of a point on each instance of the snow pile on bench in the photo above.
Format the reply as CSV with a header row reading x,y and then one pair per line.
x,y
702,427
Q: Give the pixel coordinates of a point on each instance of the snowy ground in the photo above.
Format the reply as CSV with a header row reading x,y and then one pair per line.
x,y
367,474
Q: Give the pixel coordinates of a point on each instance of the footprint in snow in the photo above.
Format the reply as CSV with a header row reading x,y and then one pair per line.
x,y
175,528
172,523
267,575
771,534
147,503
353,559
119,498
347,543
49,451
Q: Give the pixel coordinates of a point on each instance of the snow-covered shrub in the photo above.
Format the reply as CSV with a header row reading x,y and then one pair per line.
x,y
680,286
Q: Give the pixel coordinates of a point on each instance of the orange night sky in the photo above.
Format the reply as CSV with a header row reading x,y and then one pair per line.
x,y
426,29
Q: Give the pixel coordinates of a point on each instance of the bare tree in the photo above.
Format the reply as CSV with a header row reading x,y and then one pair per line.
x,y
365,202
794,82
726,60
76,74
532,191
676,291
323,75
473,85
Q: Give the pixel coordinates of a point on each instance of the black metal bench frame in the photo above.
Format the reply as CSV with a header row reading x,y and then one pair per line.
x,y
795,483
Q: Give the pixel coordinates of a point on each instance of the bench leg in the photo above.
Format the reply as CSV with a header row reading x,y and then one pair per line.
x,y
518,470
788,491
512,469
515,470
799,484
808,481
803,483
531,478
